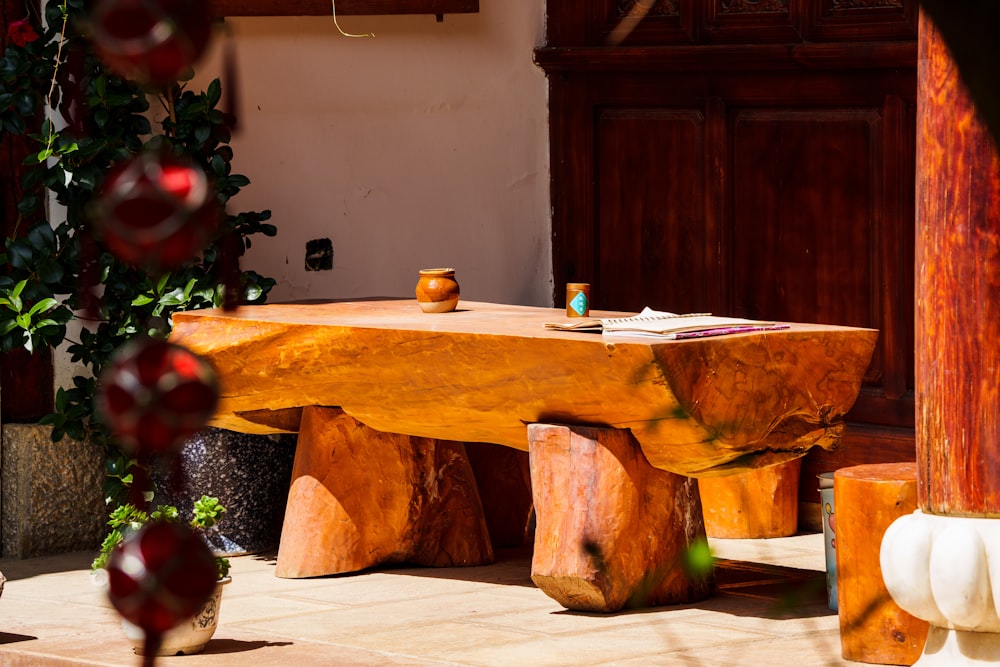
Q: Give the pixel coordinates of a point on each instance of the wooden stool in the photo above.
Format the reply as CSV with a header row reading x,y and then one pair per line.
x,y
612,531
759,503
873,629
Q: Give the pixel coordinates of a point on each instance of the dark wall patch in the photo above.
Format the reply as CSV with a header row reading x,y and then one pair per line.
x,y
319,255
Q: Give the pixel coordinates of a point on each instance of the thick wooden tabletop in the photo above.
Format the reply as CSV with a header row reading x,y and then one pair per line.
x,y
482,373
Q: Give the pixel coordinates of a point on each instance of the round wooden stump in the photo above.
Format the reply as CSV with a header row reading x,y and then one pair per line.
x,y
754,504
612,531
873,628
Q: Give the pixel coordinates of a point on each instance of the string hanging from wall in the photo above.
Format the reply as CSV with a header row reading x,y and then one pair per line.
x,y
333,5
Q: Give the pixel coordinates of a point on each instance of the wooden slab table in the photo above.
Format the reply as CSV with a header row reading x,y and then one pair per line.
x,y
383,397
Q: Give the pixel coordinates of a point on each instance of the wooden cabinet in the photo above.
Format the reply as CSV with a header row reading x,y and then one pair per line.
x,y
747,22
745,157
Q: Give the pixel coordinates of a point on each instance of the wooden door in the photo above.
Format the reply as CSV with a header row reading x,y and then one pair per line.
x,y
750,158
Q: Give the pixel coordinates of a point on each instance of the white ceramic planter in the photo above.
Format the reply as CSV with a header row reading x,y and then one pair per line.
x,y
189,637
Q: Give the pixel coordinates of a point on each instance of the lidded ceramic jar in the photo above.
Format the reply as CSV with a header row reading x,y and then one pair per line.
x,y
437,290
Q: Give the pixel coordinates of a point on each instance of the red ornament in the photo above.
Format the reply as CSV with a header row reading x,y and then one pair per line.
x,y
156,211
154,42
160,576
21,33
154,395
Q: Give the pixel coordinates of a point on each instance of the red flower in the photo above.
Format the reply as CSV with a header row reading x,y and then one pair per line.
x,y
21,32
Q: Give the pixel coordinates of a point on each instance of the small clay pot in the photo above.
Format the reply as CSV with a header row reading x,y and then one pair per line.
x,y
437,290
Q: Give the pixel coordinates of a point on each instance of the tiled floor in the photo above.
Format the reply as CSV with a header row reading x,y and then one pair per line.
x,y
770,610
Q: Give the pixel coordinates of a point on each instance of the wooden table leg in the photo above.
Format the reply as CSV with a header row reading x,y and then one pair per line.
x,y
361,498
612,531
504,481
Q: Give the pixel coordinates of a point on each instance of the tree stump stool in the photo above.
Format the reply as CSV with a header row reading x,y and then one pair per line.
x,y
873,628
611,530
361,498
753,504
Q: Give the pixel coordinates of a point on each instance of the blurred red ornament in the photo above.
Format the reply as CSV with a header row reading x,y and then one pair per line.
x,y
21,33
154,42
156,211
160,576
154,395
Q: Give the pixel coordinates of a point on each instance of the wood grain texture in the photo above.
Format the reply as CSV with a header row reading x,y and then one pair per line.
x,y
958,295
873,628
484,372
613,531
360,498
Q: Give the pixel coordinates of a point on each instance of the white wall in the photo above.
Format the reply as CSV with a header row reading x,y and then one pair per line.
x,y
423,146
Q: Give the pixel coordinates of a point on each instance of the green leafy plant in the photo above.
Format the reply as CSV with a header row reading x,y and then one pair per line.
x,y
80,119
126,519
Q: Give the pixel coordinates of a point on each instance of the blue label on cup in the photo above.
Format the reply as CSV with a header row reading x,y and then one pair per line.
x,y
579,304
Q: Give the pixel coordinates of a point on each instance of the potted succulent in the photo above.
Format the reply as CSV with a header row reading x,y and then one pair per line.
x,y
191,636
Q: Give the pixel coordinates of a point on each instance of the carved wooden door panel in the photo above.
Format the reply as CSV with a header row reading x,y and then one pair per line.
x,y
745,157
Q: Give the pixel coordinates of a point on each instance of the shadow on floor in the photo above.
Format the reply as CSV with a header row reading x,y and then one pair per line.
x,y
33,567
225,646
742,588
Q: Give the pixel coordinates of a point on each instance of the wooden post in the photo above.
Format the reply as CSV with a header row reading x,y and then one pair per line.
x,y
612,531
504,480
958,292
937,561
361,498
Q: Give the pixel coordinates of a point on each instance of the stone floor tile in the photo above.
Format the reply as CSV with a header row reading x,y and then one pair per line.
x,y
769,611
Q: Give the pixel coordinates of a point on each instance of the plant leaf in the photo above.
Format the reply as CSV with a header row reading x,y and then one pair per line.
x,y
42,306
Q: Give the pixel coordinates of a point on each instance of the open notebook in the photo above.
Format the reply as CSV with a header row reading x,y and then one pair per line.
x,y
668,326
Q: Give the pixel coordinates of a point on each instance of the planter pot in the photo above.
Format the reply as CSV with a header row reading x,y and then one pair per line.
x,y
249,474
189,637
829,536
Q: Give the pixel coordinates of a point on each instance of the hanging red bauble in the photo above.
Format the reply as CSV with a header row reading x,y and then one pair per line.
x,y
156,211
155,394
154,42
160,576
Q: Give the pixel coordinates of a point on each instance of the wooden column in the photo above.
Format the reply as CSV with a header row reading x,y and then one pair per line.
x,y
958,293
612,531
361,498
940,563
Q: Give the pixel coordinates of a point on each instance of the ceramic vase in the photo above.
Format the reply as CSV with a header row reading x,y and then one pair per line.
x,y
437,290
188,638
